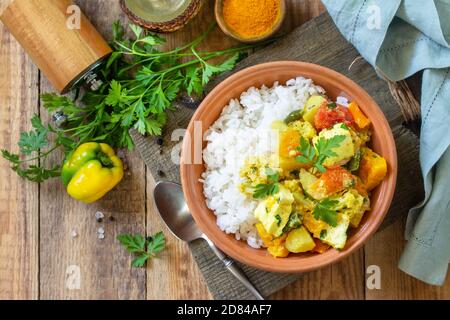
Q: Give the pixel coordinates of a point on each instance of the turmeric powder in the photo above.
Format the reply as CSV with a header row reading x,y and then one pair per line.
x,y
251,18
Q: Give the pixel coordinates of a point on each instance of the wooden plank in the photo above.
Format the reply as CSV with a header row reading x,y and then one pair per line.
x,y
384,250
104,265
344,280
19,199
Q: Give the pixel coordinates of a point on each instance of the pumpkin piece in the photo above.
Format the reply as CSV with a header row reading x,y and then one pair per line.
x,y
264,235
278,251
360,119
373,169
320,246
289,142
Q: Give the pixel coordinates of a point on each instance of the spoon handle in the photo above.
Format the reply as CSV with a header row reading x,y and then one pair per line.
x,y
234,269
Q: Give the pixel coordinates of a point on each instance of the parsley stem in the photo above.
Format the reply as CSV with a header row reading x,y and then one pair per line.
x,y
40,156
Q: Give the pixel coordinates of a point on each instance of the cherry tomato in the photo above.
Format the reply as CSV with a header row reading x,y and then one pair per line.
x,y
337,179
327,117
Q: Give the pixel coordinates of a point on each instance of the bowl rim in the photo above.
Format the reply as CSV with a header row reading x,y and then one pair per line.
x,y
332,255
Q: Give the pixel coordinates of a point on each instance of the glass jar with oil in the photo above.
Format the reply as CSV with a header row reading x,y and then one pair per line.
x,y
161,15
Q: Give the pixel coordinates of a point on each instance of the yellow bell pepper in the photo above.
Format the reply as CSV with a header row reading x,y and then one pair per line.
x,y
91,171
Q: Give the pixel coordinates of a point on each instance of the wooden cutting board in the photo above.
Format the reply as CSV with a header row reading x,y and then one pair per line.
x,y
320,42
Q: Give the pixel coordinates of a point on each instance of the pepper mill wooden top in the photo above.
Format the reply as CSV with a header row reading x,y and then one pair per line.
x,y
64,54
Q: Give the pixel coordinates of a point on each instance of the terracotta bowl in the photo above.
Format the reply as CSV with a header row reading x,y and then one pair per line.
x,y
335,85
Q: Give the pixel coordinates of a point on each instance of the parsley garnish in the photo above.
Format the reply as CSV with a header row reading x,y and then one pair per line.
x,y
317,154
143,248
294,222
354,162
324,211
332,105
271,188
323,234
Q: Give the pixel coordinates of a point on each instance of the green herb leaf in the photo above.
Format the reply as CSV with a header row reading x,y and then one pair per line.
x,y
157,244
143,248
116,95
139,261
324,211
354,163
272,175
137,30
264,190
325,150
133,244
294,222
332,105
193,82
323,234
35,140
53,102
307,152
271,188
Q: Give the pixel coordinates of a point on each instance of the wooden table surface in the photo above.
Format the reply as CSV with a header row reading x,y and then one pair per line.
x,y
39,258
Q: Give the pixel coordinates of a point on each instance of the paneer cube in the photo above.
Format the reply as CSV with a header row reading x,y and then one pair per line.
x,y
274,211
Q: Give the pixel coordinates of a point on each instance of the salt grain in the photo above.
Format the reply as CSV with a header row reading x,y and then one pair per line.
x,y
99,216
101,231
74,234
101,236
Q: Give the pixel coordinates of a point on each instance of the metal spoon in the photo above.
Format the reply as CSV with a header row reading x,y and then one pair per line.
x,y
174,211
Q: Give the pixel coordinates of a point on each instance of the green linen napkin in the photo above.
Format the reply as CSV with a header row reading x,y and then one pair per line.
x,y
401,38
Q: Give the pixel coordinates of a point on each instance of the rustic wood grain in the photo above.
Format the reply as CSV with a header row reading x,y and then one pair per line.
x,y
384,250
4,4
19,210
105,266
33,243
344,280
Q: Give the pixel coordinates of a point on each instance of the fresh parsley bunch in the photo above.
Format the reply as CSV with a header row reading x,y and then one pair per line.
x,y
141,83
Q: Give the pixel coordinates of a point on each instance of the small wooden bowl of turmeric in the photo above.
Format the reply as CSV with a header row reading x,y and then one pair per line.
x,y
250,21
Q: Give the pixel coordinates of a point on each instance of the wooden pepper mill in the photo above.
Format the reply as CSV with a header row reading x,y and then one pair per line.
x,y
67,54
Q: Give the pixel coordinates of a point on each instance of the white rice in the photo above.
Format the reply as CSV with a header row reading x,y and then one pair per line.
x,y
244,129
